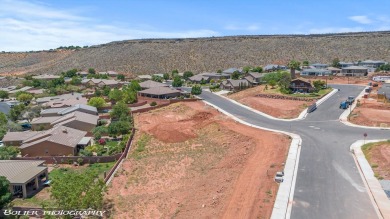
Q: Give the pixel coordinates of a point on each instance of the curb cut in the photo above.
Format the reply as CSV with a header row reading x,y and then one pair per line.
x,y
377,195
301,116
284,198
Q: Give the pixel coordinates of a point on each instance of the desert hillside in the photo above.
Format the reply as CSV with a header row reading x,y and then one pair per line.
x,y
202,54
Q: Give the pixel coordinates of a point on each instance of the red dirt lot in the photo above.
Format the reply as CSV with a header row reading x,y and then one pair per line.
x,y
285,109
189,161
342,80
378,156
371,113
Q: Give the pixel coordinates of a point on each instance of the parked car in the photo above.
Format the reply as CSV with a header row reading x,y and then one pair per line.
x,y
350,100
344,105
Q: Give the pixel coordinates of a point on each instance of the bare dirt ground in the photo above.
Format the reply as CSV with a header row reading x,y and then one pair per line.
x,y
285,109
372,112
378,155
189,161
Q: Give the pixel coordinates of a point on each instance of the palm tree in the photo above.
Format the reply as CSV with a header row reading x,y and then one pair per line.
x,y
293,64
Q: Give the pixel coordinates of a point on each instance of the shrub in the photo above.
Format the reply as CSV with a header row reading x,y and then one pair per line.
x,y
102,141
153,103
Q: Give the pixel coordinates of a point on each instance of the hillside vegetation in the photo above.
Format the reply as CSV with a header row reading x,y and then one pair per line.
x,y
202,54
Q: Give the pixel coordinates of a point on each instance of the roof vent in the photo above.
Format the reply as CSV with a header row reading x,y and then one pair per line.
x,y
64,130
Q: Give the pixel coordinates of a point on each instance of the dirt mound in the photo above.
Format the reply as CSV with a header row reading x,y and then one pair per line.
x,y
170,133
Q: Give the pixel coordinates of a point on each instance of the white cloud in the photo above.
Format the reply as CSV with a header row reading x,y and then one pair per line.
x,y
26,26
361,19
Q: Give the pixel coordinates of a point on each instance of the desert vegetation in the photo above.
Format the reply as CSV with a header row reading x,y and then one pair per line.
x,y
203,54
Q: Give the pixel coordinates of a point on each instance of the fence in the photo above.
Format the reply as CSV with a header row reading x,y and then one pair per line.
x,y
72,159
127,148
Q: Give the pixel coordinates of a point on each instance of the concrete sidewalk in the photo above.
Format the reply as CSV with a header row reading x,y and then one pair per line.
x,y
378,196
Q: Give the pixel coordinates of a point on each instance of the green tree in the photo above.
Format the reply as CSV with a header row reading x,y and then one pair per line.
x,y
5,194
120,77
318,84
73,190
219,71
177,82
284,83
129,96
257,69
106,90
196,89
166,76
97,102
187,74
120,110
235,75
36,83
8,152
25,97
175,72
134,86
3,94
75,80
91,71
293,65
246,69
119,128
272,83
70,74
156,78
305,63
336,63
115,95
16,111
99,131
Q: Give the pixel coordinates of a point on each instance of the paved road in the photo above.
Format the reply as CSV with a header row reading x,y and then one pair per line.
x,y
4,107
328,183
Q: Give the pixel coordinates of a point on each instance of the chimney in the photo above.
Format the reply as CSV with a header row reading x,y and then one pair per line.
x,y
64,130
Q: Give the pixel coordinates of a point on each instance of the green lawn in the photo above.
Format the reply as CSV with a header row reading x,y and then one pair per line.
x,y
319,94
97,169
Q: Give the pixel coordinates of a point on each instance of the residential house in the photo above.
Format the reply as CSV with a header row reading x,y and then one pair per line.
x,y
78,120
144,77
216,76
301,85
150,84
160,92
64,100
235,85
24,176
273,67
63,111
383,93
17,138
334,70
315,72
46,77
100,83
231,71
254,78
354,71
199,78
346,64
372,63
58,141
83,73
319,65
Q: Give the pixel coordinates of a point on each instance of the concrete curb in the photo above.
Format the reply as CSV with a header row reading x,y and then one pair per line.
x,y
377,195
301,116
283,202
344,116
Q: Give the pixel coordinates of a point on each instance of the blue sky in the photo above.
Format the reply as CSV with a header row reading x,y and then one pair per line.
x,y
44,24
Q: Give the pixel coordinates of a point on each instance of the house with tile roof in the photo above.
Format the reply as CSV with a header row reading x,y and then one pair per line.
x,y
151,84
66,110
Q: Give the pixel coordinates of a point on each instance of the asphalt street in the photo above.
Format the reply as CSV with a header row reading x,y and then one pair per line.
x,y
328,182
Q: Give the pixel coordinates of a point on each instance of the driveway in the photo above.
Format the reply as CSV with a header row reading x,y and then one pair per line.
x,y
4,108
328,183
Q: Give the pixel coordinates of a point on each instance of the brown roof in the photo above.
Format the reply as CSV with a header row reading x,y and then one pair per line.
x,y
150,84
46,76
77,115
19,136
159,91
199,78
303,79
236,83
21,171
60,134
